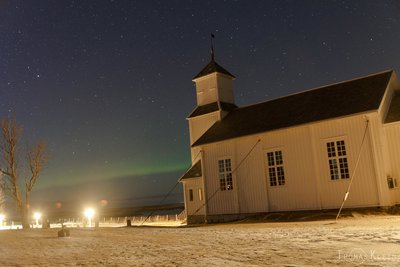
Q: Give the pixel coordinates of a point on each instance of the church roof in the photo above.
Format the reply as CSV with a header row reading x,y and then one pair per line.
x,y
193,172
211,68
341,99
208,108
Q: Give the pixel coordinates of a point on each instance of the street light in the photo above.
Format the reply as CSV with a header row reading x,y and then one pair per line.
x,y
37,216
89,212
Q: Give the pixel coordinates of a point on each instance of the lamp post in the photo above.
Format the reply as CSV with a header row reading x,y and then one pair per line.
x,y
37,216
89,212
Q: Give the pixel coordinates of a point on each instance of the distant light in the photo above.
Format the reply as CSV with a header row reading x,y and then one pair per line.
x,y
37,216
89,213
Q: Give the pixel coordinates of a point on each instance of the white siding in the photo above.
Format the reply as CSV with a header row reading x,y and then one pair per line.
x,y
363,191
198,125
299,191
393,138
206,89
380,156
225,88
219,202
195,154
249,182
308,184
385,104
197,206
214,87
389,143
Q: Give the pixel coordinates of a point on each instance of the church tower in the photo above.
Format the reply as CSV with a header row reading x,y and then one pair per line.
x,y
214,84
215,98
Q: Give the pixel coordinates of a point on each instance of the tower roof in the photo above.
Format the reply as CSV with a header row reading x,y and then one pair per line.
x,y
211,68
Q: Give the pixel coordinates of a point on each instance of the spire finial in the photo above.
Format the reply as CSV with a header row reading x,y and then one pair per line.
x,y
212,46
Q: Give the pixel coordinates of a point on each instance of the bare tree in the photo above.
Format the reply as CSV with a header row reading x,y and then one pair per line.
x,y
36,159
2,194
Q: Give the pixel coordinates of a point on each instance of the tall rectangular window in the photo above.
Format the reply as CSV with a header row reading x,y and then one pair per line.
x,y
337,159
190,194
276,171
200,194
225,174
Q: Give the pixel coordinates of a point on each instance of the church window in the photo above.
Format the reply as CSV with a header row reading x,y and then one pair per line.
x,y
190,194
276,171
337,159
225,174
390,182
200,194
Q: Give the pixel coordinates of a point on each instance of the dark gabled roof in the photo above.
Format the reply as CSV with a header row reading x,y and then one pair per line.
x,y
394,109
341,99
211,68
193,172
208,108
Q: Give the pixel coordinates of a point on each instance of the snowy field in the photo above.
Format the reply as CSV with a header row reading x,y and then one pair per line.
x,y
358,241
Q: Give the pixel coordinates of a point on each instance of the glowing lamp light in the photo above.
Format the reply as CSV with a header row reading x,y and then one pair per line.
x,y
37,216
89,213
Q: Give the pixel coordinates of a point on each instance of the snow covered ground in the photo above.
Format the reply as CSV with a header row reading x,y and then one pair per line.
x,y
364,240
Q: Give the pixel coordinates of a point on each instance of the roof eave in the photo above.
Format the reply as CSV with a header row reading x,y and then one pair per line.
x,y
197,143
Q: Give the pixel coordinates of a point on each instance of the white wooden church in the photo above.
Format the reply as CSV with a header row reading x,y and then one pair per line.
x,y
298,152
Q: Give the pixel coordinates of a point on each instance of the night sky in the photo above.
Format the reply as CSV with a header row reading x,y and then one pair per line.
x,y
108,83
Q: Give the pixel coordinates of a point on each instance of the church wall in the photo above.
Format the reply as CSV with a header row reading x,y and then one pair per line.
x,y
249,175
206,89
390,144
387,98
380,155
363,190
392,132
225,89
299,191
308,185
198,125
195,154
219,202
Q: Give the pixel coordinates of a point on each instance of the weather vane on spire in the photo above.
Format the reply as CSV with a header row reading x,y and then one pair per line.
x,y
212,46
